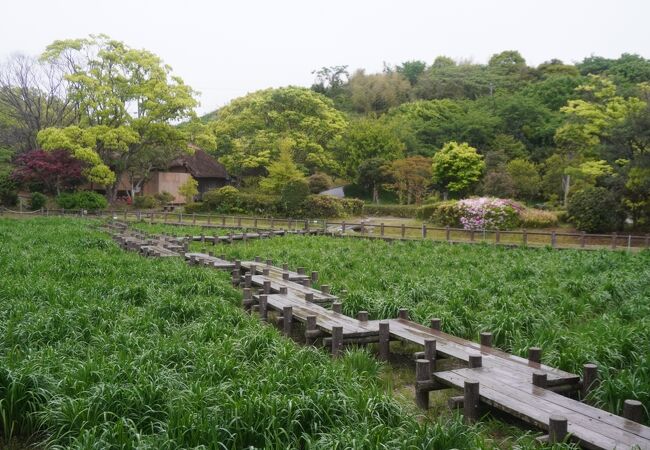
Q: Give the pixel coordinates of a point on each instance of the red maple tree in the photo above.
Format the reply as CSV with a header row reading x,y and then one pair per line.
x,y
53,171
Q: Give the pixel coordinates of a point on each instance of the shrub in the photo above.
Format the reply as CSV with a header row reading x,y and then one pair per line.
x,y
164,197
486,213
442,213
221,200
293,194
319,182
145,202
8,190
353,206
258,203
323,206
195,207
594,209
82,200
536,218
390,210
37,201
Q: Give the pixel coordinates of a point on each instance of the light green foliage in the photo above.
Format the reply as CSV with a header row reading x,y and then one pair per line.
x,y
590,119
128,100
456,167
525,178
250,129
376,93
283,171
189,189
365,139
410,178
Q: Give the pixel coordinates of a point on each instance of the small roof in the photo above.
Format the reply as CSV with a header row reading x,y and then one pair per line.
x,y
201,165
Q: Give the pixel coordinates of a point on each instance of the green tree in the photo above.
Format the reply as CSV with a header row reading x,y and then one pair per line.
x,y
377,92
250,129
283,171
525,177
189,189
412,70
127,100
364,139
372,174
456,168
411,178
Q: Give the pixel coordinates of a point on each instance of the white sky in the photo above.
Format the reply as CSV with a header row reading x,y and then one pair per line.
x,y
225,49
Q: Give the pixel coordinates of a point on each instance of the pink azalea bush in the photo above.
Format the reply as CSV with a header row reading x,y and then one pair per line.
x,y
486,213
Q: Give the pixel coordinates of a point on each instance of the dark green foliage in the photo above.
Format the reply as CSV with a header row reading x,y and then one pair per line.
x,y
594,209
293,194
441,213
87,200
37,201
390,210
319,182
164,197
8,190
145,202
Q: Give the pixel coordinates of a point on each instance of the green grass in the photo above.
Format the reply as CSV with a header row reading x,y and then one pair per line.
x,y
579,306
100,348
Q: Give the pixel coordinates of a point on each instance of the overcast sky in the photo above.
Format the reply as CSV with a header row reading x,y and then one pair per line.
x,y
225,49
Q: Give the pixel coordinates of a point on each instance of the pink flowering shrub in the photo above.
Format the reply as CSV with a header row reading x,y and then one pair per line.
x,y
485,213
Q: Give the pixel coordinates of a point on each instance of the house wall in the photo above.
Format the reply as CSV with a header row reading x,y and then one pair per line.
x,y
166,181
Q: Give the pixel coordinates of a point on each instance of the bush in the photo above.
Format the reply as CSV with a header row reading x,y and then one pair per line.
x,y
535,218
222,200
37,201
323,206
82,200
391,210
442,213
594,209
145,202
164,197
8,190
319,182
195,207
486,213
293,194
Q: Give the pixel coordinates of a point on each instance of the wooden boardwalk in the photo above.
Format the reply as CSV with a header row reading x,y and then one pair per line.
x,y
524,388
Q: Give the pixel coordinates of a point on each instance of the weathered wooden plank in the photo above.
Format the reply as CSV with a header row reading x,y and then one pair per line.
x,y
459,348
592,427
274,272
299,289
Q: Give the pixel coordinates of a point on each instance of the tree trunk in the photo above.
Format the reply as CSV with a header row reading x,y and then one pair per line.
x,y
566,185
445,195
111,193
375,194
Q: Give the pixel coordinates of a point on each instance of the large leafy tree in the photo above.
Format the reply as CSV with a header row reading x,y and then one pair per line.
x,y
411,178
250,129
53,171
127,101
283,170
456,168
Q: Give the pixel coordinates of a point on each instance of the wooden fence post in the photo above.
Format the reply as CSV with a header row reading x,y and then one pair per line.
x,y
310,330
403,313
475,361
486,339
614,238
557,429
337,307
430,352
435,323
403,231
287,320
540,379
583,239
424,231
263,307
447,233
535,355
633,410
362,316
589,379
553,239
382,229
497,236
524,237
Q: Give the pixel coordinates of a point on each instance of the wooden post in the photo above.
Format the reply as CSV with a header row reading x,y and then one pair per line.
x,y
235,277
343,227
471,235
475,361
403,313
247,280
362,316
589,379
633,410
540,379
258,259
285,266
310,328
497,236
557,428
524,237
486,339
266,271
284,290
237,264
285,275
337,341
614,238
309,297
422,374
337,307
384,340
430,352
287,321
471,401
553,239
435,323
269,262
403,231
314,277
239,222
447,233
263,307
267,287
325,288
209,217
382,229
193,218
535,355
300,270
424,231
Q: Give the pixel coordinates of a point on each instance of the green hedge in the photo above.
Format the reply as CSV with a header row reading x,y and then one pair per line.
x,y
82,200
390,210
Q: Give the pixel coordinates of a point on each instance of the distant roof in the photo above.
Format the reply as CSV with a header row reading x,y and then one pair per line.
x,y
201,165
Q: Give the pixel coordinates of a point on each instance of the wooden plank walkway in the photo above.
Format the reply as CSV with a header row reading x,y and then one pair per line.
x,y
591,427
276,273
294,288
455,347
209,260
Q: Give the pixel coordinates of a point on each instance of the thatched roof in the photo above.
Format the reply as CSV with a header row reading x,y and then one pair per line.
x,y
201,165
